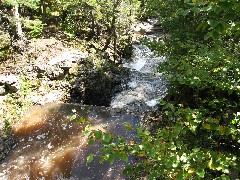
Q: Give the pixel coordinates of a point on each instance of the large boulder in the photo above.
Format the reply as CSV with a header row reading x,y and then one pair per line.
x,y
53,59
52,72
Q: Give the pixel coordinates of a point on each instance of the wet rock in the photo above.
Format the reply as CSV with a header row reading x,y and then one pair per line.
x,y
154,22
11,82
143,27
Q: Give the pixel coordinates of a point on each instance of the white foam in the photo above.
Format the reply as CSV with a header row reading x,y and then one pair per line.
x,y
145,86
152,102
137,65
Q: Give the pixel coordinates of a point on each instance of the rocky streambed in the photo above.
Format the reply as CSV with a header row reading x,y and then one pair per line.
x,y
48,72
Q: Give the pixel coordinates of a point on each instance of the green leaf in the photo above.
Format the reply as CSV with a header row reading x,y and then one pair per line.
x,y
128,126
90,141
107,138
98,134
128,171
207,36
90,158
213,23
180,176
111,158
202,26
196,9
219,28
223,177
81,120
207,8
73,117
153,175
184,13
200,172
206,126
123,156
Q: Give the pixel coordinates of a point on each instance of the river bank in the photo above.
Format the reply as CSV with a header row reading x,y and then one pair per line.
x,y
48,72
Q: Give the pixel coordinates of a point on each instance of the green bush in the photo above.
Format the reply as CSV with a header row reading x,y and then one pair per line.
x,y
197,134
35,27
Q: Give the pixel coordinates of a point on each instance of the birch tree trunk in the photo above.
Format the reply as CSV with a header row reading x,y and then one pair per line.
x,y
17,18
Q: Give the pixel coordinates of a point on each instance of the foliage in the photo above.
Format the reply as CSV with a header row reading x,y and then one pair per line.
x,y
203,73
35,27
34,4
106,23
197,135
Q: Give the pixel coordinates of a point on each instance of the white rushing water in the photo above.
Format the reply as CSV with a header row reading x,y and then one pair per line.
x,y
145,87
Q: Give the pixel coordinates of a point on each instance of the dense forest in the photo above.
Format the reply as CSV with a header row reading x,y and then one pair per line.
x,y
196,134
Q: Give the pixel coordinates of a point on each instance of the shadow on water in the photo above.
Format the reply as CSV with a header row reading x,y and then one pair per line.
x,y
51,146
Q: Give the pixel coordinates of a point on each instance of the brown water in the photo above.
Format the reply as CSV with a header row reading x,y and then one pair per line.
x,y
50,146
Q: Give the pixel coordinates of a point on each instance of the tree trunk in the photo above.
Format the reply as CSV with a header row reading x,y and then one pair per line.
x,y
44,10
17,21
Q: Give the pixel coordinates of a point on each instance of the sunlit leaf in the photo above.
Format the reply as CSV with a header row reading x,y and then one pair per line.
x,y
90,158
107,138
98,134
200,172
73,117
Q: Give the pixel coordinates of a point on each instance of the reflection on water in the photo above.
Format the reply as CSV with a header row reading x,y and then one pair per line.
x,y
50,146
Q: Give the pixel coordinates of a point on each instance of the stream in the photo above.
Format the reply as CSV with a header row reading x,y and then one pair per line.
x,y
145,86
50,145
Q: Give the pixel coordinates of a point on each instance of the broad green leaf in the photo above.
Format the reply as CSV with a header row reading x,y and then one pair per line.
x,y
107,138
219,28
184,13
196,9
90,141
123,156
200,172
98,134
206,126
90,158
213,23
111,158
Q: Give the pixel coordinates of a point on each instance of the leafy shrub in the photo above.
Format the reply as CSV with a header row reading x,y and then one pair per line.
x,y
197,134
35,27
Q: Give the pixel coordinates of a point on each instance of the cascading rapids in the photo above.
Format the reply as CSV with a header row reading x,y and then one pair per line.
x,y
145,87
